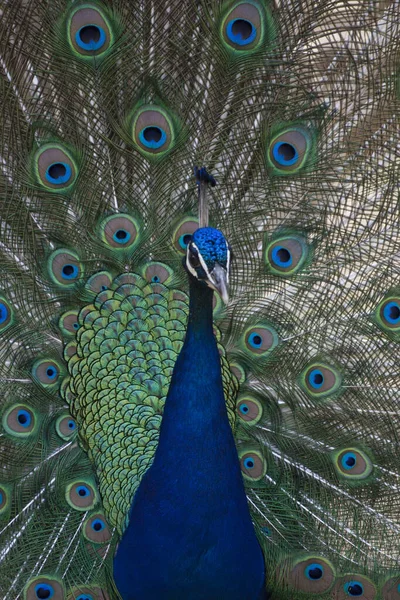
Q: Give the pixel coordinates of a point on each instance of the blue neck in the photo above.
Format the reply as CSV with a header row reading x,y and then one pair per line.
x,y
190,534
195,397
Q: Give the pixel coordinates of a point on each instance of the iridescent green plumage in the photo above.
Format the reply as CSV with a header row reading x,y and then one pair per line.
x,y
97,200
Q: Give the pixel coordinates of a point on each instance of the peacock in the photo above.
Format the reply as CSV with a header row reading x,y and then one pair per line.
x,y
199,300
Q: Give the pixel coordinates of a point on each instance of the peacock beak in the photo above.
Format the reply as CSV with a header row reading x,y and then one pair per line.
x,y
218,280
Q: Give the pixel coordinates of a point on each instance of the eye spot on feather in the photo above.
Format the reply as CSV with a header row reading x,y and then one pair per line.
x,y
87,593
68,323
66,427
351,463
99,282
182,235
387,315
290,151
285,256
244,27
19,420
314,571
260,340
238,371
252,464
311,575
6,314
44,588
320,380
58,173
65,268
4,499
120,231
391,589
54,167
81,495
153,130
89,32
354,586
156,272
96,529
249,409
46,372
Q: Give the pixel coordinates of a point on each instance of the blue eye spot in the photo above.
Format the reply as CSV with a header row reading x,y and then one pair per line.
x,y
58,173
90,37
354,588
76,325
4,313
103,288
255,340
316,379
84,597
121,236
155,279
314,571
43,591
244,409
98,525
241,32
69,272
184,240
391,313
266,531
24,418
285,154
282,257
349,460
51,372
83,491
153,137
71,425
248,463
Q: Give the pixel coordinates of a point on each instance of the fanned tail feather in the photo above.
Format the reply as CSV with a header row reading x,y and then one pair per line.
x,y
300,128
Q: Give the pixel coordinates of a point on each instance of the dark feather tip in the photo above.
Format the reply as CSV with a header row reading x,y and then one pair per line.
x,y
202,176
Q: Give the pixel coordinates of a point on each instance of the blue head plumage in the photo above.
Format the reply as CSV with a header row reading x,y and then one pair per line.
x,y
212,246
208,259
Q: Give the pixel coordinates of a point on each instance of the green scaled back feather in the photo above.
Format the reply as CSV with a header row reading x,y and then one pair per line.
x,y
300,129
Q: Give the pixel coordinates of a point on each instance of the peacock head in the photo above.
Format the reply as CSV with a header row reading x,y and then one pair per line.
x,y
208,257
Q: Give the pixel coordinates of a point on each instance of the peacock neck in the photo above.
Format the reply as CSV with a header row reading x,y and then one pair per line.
x,y
195,398
200,321
190,534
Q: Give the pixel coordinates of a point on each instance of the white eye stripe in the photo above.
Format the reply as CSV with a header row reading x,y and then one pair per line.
x,y
228,262
201,259
189,266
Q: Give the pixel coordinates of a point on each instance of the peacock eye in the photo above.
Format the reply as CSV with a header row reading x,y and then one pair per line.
x,y
353,464
6,314
153,130
193,257
355,586
246,26
312,575
90,32
44,588
96,529
55,168
194,260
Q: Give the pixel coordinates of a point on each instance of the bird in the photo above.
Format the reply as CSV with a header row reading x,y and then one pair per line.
x,y
199,300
